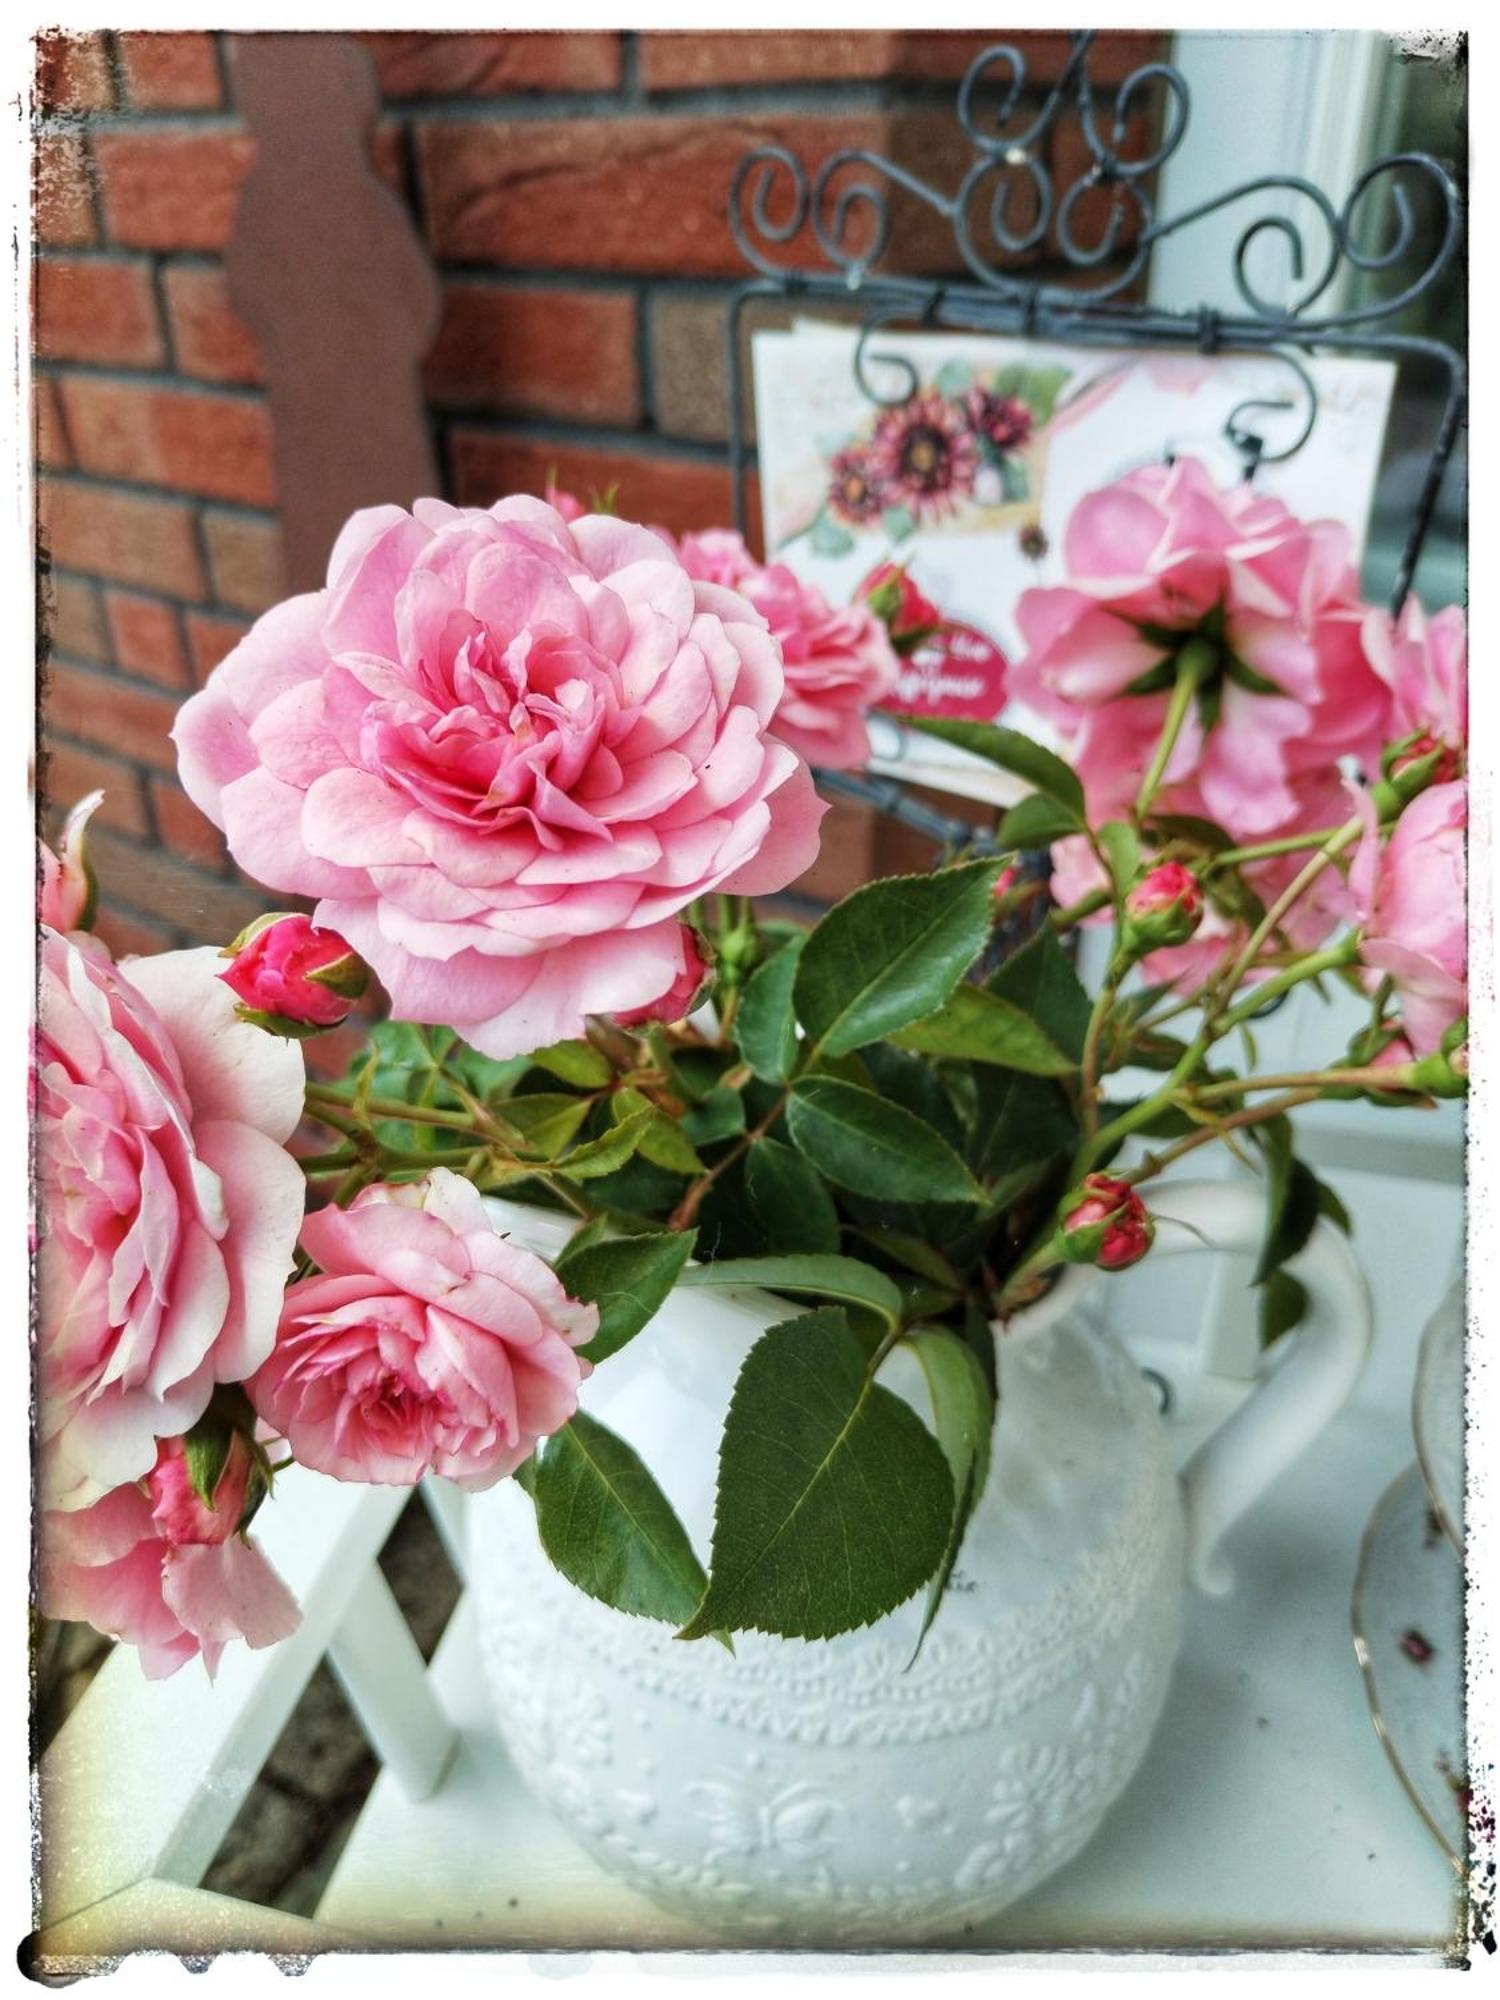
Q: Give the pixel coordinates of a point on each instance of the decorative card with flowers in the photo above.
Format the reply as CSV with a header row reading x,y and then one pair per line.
x,y
536,772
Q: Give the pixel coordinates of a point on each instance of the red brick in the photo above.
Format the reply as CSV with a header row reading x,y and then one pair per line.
x,y
183,829
171,72
545,353
678,493
147,638
694,59
98,709
128,936
209,638
49,432
246,561
87,310
480,65
649,194
62,190
70,773
208,336
124,536
219,446
73,620
160,886
72,72
174,189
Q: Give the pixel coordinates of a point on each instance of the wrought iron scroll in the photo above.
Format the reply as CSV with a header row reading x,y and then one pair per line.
x,y
1007,205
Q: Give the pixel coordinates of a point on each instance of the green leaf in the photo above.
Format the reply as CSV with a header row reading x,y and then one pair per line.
x,y
963,1411
609,1151
578,1063
1330,1205
663,1139
913,1084
859,1141
1040,980
1019,1122
1036,822
546,1119
954,377
891,953
841,1278
898,523
1124,851
980,1027
916,1253
1293,1203
828,538
766,1026
1204,833
721,1115
628,1280
1015,480
1041,389
789,1199
1011,751
607,1525
834,1500
1283,1301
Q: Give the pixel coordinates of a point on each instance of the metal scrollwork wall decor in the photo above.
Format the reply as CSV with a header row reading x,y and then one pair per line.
x,y
1008,205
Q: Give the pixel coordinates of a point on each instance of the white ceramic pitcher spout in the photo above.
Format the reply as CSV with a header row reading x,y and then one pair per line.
x,y
836,1792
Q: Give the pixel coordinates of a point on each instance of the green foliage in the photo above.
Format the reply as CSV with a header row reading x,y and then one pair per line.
x,y
981,1027
841,1278
963,1409
859,1141
892,953
607,1525
766,1026
1045,772
834,1501
787,1195
628,1280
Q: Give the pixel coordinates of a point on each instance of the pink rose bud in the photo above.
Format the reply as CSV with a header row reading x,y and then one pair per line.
x,y
908,616
567,504
181,1513
1419,760
293,978
1164,908
681,997
1106,1223
68,889
1006,880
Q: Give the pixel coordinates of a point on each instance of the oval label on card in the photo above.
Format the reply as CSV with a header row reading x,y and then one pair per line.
x,y
958,672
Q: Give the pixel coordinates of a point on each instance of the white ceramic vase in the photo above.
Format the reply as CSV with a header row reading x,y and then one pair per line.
x,y
833,1793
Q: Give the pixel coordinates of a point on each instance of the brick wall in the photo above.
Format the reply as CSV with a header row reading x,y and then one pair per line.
x,y
571,190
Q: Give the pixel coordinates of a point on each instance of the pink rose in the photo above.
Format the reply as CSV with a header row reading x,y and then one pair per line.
x,y
681,996
1425,664
288,974
164,1572
427,1343
505,751
168,1207
1163,556
67,890
838,664
1410,896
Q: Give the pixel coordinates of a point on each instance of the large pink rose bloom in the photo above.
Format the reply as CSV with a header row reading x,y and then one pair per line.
x,y
427,1343
839,664
168,1209
1164,555
505,750
1411,900
1425,664
151,1564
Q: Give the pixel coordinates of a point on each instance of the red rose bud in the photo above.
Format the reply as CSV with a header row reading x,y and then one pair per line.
x,y
682,996
1420,760
1006,880
908,617
1164,908
292,978
1445,1073
1105,1222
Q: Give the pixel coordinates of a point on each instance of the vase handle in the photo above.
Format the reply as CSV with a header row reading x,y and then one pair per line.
x,y
1303,1392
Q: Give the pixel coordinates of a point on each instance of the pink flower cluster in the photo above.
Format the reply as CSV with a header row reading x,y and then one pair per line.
x,y
924,455
838,663
505,750
1296,677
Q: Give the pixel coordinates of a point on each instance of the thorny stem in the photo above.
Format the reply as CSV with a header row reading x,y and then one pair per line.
x,y
683,1216
1254,1114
